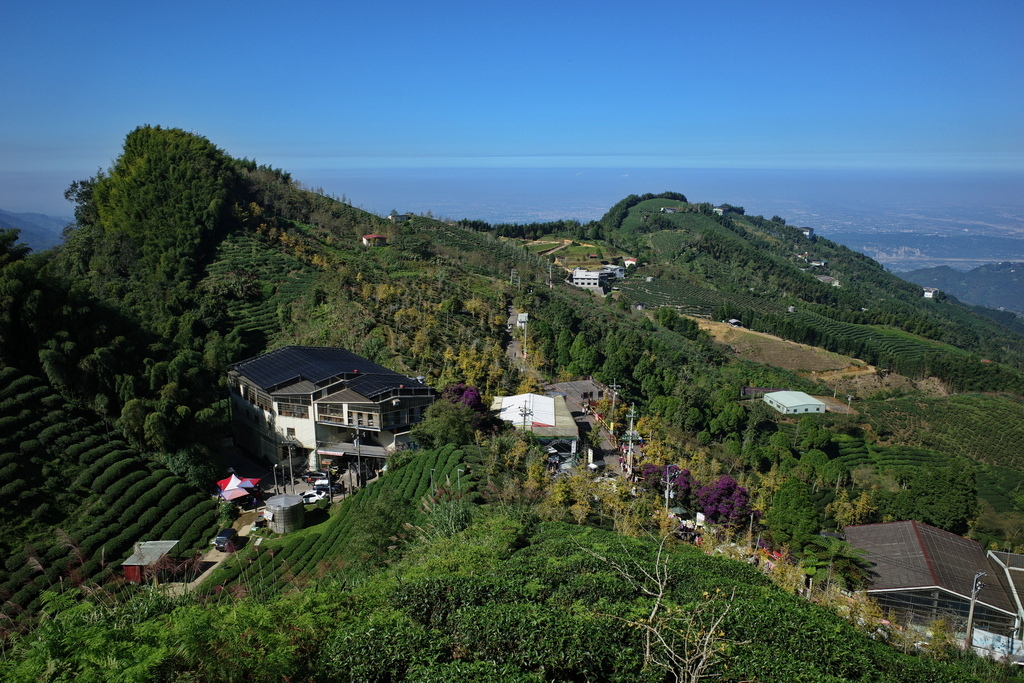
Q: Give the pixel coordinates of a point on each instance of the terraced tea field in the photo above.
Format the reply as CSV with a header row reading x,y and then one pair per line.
x,y
981,427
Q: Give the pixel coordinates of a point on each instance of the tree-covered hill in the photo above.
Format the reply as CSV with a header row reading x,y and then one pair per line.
x,y
755,269
996,285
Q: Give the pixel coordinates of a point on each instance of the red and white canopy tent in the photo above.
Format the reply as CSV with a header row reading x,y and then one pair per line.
x,y
235,487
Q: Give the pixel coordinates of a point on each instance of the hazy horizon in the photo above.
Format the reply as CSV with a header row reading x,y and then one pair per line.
x,y
903,218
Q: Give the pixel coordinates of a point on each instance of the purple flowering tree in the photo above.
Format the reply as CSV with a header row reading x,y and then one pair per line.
x,y
680,482
725,502
463,393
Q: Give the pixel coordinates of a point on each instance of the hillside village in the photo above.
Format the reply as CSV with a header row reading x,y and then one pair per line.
x,y
254,432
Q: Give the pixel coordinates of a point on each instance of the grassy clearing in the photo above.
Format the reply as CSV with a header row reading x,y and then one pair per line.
x,y
765,348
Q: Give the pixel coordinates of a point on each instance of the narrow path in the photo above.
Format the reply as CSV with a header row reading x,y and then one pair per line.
x,y
214,558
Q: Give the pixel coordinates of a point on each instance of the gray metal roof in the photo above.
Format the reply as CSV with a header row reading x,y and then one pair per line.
x,y
149,552
792,399
911,554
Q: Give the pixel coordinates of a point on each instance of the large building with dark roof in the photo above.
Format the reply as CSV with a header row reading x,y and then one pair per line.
x,y
315,402
923,573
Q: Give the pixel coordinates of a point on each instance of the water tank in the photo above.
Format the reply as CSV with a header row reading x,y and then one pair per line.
x,y
287,513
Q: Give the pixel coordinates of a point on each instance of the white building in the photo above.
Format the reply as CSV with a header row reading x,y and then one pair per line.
x,y
930,292
548,418
590,279
794,402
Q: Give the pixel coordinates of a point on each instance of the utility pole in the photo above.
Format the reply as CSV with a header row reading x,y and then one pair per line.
x,y
615,393
524,411
629,455
666,484
978,585
359,462
291,472
526,336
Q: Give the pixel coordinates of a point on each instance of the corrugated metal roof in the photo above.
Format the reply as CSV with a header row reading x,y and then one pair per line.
x,y
1010,568
149,552
549,416
792,399
911,554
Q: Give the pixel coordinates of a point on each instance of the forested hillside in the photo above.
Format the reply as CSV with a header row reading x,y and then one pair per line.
x,y
113,357
996,285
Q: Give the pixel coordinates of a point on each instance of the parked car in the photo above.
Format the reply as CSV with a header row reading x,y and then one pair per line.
x,y
324,488
225,540
310,477
310,497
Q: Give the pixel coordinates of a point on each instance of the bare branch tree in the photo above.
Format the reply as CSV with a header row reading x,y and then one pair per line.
x,y
685,640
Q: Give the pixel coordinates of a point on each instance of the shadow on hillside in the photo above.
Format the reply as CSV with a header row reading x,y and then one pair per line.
x,y
316,516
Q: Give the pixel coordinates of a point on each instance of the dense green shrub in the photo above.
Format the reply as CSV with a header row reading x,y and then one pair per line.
x,y
114,472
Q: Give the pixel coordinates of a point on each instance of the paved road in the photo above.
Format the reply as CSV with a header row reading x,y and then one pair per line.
x,y
588,424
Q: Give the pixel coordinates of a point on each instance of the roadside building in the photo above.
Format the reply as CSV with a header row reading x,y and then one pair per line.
x,y
374,240
794,402
301,401
548,418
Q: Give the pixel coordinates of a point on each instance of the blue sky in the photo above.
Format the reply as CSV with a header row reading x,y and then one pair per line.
x,y
319,86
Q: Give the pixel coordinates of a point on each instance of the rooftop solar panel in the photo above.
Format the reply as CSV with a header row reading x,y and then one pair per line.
x,y
292,364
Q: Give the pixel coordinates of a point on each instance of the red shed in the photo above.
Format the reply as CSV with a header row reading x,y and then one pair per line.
x,y
146,554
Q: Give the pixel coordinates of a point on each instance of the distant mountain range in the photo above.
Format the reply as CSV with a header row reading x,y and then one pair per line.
x,y
39,231
996,285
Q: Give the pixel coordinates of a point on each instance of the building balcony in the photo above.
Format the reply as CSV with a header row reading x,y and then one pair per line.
x,y
337,420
